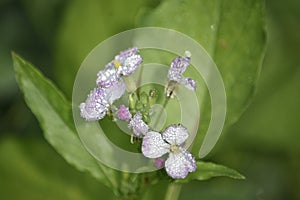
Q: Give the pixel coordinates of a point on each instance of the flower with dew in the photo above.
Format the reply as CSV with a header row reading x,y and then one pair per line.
x,y
179,162
123,113
178,67
139,127
99,101
124,64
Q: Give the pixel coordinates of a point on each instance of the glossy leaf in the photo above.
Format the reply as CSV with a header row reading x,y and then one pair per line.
x,y
54,113
208,170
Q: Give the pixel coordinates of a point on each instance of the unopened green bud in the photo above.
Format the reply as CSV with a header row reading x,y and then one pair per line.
x,y
144,98
146,118
138,105
132,101
153,95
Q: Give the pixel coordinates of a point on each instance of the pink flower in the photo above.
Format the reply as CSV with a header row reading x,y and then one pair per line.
x,y
123,113
159,162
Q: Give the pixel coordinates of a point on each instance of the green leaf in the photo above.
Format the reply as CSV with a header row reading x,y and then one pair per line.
x,y
232,32
208,170
54,114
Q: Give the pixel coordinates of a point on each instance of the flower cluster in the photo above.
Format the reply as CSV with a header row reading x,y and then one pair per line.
x,y
111,86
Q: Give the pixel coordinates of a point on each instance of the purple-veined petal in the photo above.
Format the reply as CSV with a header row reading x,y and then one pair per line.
x,y
130,65
180,63
129,61
123,55
95,106
124,64
108,76
123,113
139,127
175,134
189,83
178,66
115,91
176,166
153,145
190,160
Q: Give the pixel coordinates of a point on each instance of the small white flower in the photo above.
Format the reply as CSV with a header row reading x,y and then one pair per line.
x,y
139,127
95,106
180,162
178,67
124,64
99,100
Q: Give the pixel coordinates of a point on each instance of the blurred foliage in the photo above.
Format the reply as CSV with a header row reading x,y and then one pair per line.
x,y
263,145
31,169
84,25
232,33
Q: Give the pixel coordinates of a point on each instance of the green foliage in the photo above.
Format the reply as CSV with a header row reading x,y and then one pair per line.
x,y
208,170
233,34
55,116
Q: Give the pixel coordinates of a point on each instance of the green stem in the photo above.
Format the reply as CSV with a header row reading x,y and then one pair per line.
x,y
130,84
139,81
173,191
110,179
160,113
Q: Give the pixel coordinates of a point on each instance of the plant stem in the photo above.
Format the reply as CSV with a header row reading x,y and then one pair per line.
x,y
160,113
173,191
130,84
139,81
111,180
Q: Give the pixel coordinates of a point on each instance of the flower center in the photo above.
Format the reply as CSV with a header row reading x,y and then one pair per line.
x,y
174,148
117,64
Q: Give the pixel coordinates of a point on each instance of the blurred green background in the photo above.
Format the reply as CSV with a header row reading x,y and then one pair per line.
x,y
263,145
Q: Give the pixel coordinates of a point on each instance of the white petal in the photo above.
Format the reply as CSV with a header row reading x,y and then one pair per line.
x,y
138,126
176,166
189,83
131,64
190,160
180,164
175,134
95,106
115,92
180,64
89,114
153,145
108,76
